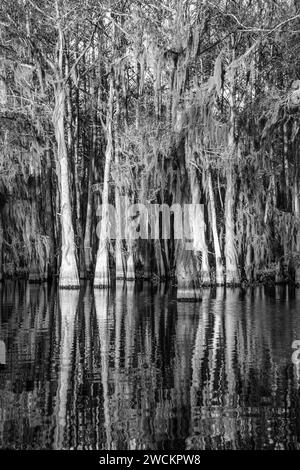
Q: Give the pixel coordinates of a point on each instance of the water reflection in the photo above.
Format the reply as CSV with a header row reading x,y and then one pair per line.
x,y
68,301
130,368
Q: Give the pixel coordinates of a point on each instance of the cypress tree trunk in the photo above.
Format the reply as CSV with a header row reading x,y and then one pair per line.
x,y
146,259
198,228
130,244
159,259
78,205
50,217
218,255
1,246
130,272
119,251
88,228
68,275
102,273
297,215
87,244
249,264
232,271
188,287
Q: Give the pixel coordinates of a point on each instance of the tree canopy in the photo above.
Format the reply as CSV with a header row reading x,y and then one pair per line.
x,y
161,102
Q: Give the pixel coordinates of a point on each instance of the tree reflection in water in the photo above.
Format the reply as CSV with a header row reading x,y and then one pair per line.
x,y
130,368
68,301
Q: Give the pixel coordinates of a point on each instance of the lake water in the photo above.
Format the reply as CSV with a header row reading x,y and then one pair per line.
x,y
130,368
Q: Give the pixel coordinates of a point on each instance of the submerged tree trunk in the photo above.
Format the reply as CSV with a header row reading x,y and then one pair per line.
x,y
68,275
102,273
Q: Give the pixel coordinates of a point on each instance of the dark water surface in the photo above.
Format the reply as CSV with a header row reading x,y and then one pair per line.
x,y
131,368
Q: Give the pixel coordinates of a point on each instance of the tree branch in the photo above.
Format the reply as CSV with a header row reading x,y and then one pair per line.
x,y
81,55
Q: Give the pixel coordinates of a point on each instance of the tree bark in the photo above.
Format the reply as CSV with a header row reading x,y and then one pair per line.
x,y
68,276
297,215
217,248
50,217
1,246
198,228
188,288
88,225
119,248
102,273
232,270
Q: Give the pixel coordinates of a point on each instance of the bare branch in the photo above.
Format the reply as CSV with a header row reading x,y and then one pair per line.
x,y
46,15
82,54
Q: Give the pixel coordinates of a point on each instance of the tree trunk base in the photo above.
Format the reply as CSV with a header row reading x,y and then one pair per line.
x,y
67,287
36,279
297,276
220,278
220,281
130,274
120,265
233,279
87,275
68,274
102,282
120,273
35,274
2,353
279,279
147,272
102,274
120,284
188,286
68,282
88,261
205,279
